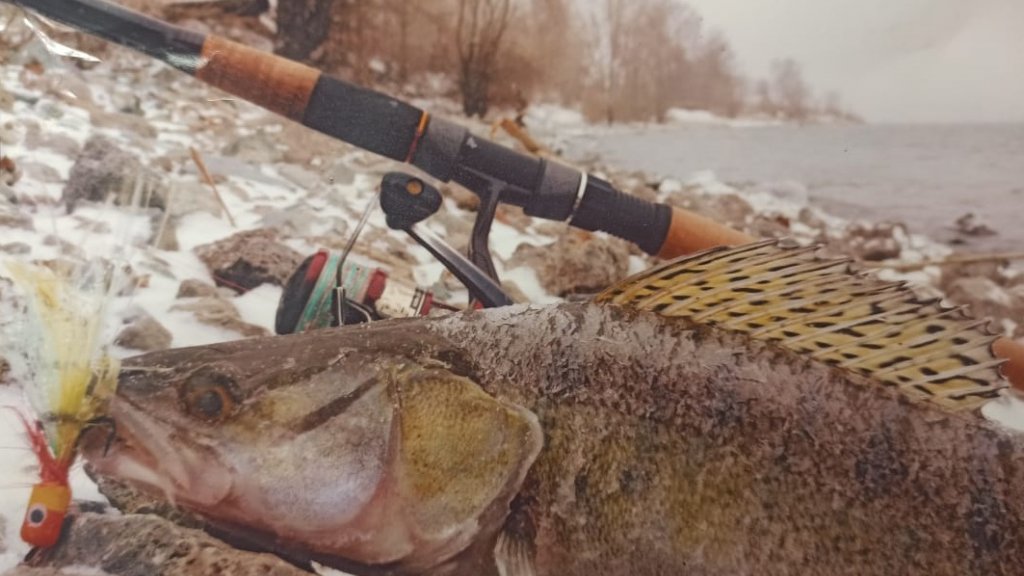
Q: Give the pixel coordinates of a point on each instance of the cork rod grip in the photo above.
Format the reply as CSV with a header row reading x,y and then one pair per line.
x,y
275,83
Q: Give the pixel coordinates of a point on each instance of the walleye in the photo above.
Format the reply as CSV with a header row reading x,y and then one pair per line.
x,y
756,409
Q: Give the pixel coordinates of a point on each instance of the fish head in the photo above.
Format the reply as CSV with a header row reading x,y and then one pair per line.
x,y
361,453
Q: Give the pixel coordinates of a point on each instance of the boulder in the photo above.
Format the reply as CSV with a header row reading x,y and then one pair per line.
x,y
193,288
104,169
248,259
578,262
144,333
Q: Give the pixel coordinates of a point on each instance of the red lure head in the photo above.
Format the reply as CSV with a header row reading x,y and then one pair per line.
x,y
50,498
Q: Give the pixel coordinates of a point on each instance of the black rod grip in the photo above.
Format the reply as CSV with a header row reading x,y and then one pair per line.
x,y
606,209
364,118
176,46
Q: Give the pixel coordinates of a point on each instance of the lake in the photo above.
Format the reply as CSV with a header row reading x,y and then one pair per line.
x,y
927,176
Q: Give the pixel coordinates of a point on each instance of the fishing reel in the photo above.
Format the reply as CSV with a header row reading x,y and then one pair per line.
x,y
326,290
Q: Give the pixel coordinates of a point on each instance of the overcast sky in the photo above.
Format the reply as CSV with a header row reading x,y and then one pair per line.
x,y
891,60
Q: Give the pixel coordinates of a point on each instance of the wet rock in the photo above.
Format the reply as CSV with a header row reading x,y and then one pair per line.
x,y
121,122
248,259
968,225
103,169
219,312
7,195
138,544
144,333
193,288
577,262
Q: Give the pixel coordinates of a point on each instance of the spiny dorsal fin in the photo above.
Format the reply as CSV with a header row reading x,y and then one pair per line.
x,y
825,309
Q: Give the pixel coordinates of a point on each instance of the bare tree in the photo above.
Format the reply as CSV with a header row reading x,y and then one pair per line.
x,y
302,27
790,92
479,30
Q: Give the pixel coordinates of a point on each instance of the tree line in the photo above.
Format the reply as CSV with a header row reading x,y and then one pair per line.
x,y
617,60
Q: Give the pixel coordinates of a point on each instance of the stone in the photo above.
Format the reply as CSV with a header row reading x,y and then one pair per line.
x,y
247,259
294,221
144,333
16,220
193,288
189,197
463,198
983,297
124,123
104,169
255,148
301,177
135,544
871,242
10,173
219,312
16,248
578,262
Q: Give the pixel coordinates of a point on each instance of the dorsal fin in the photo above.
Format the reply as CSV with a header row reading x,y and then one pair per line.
x,y
826,309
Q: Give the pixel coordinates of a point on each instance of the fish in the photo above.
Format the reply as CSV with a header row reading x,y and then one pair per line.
x,y
756,409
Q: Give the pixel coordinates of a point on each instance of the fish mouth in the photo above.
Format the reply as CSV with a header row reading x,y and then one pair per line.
x,y
148,454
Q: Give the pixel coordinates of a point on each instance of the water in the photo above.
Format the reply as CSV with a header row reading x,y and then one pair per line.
x,y
925,176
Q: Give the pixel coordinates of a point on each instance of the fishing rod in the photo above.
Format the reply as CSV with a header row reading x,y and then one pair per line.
x,y
394,129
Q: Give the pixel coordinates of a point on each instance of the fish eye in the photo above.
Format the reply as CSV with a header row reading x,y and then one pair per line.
x,y
36,515
208,397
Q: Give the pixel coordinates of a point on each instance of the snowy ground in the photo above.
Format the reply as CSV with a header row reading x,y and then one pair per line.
x,y
55,113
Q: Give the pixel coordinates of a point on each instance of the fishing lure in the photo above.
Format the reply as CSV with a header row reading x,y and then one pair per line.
x,y
52,337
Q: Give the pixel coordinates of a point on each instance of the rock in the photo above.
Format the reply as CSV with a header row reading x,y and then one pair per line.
x,y
300,176
5,370
104,169
7,195
124,123
968,225
340,174
188,197
728,209
136,544
984,298
248,259
16,220
219,312
16,248
193,288
144,333
463,198
256,148
292,221
577,262
9,171
870,242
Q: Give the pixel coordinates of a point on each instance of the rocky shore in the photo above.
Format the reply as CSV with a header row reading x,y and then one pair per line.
x,y
80,139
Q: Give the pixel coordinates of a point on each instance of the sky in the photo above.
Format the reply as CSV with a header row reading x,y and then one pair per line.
x,y
891,60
